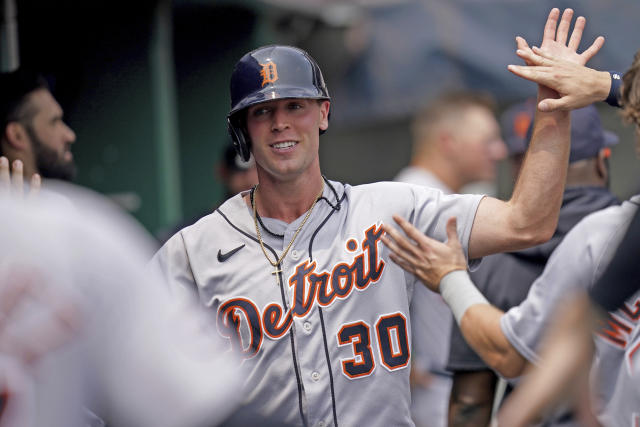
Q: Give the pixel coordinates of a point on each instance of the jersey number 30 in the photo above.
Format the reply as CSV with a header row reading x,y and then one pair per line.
x,y
393,343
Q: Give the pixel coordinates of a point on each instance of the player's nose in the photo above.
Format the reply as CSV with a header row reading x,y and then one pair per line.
x,y
70,135
279,120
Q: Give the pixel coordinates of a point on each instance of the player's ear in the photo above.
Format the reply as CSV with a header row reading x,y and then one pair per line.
x,y
446,142
16,135
325,107
602,164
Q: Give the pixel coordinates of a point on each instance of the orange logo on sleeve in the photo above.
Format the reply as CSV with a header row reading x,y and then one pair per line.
x,y
269,73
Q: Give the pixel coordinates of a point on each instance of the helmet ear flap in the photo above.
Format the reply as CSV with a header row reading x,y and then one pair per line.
x,y
241,141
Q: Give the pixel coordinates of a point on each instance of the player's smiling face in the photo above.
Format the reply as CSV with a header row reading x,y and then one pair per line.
x,y
285,135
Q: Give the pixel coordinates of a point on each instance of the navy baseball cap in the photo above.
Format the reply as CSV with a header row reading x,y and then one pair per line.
x,y
515,123
588,136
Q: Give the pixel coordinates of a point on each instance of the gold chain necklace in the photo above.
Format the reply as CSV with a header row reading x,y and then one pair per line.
x,y
276,264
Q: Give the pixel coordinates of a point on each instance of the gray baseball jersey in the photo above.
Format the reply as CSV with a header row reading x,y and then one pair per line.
x,y
326,341
136,356
431,326
577,263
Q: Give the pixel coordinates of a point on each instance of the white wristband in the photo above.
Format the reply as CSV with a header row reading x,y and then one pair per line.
x,y
460,293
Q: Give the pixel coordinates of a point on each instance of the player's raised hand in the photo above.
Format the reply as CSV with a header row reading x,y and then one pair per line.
x,y
426,258
558,65
556,40
12,180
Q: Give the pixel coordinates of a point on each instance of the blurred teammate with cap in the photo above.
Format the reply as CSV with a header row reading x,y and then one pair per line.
x,y
456,142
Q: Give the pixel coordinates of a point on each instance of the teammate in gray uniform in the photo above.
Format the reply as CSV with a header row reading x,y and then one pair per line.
x,y
568,350
294,272
504,279
83,324
456,142
507,340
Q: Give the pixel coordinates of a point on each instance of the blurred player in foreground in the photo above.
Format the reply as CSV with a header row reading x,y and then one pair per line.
x,y
83,324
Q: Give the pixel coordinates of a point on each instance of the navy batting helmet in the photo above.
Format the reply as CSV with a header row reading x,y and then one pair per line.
x,y
265,74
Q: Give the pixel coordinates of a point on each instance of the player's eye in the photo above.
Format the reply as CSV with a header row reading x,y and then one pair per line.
x,y
258,112
296,105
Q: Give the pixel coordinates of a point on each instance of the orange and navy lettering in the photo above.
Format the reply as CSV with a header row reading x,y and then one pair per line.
x,y
393,341
393,345
229,323
309,287
357,334
616,329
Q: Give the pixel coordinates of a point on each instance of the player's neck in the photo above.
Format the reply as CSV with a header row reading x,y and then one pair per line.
x,y
287,200
442,170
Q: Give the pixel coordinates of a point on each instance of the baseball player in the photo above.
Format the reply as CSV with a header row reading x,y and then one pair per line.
x,y
506,341
82,324
33,131
568,349
456,142
294,272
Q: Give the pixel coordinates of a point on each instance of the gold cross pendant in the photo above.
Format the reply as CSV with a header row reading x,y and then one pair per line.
x,y
277,269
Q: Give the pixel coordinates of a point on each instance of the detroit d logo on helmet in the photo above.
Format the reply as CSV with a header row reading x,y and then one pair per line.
x,y
269,73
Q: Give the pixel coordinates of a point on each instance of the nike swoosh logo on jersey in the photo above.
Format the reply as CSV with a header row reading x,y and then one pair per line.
x,y
223,257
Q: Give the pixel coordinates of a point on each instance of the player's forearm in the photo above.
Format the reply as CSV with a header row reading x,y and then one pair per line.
x,y
480,326
471,399
537,195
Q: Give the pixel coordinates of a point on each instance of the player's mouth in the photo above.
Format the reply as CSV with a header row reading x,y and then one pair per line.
x,y
284,145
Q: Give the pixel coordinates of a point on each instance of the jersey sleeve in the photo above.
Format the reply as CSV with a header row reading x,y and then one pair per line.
x,y
433,209
571,267
172,263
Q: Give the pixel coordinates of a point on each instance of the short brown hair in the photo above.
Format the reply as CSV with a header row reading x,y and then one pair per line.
x,y
631,92
450,105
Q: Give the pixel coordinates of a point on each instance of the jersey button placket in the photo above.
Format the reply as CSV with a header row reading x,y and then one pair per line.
x,y
307,326
295,254
315,376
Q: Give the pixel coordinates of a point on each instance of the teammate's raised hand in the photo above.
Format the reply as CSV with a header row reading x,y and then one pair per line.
x,y
556,64
577,85
426,258
12,180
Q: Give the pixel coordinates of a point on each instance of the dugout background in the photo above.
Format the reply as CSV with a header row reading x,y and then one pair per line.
x,y
145,84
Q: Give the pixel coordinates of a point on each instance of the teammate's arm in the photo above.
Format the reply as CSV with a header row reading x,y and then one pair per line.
x,y
442,268
530,216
